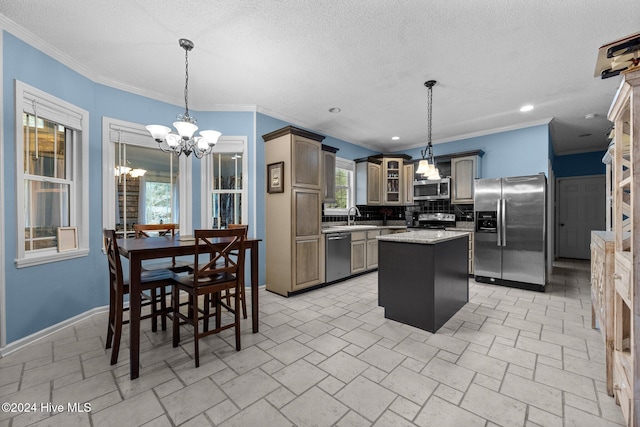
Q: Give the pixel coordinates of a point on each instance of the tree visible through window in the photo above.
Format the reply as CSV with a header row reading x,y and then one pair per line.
x,y
345,183
146,184
158,203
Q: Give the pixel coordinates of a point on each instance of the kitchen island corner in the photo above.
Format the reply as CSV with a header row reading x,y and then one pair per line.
x,y
423,276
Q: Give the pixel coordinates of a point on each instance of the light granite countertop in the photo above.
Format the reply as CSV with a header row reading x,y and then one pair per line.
x,y
360,227
425,237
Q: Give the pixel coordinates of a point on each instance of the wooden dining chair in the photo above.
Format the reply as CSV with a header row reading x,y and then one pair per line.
x,y
230,293
224,270
119,287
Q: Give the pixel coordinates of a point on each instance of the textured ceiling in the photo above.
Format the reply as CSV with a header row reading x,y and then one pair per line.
x,y
295,59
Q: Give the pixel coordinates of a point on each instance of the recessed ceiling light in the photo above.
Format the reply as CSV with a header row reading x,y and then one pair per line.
x,y
590,116
334,110
395,138
526,108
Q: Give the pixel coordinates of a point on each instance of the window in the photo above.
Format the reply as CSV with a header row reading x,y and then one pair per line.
x,y
345,188
142,183
226,188
51,186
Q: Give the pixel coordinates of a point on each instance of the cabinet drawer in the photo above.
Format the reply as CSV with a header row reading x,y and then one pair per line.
x,y
372,234
358,235
622,279
622,389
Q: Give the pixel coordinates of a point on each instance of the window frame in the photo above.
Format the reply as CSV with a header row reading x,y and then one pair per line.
x,y
226,144
350,166
72,117
136,134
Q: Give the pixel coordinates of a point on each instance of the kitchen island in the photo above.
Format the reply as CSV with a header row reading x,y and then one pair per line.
x,y
422,276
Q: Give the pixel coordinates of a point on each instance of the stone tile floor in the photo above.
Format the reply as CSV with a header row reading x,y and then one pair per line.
x,y
329,358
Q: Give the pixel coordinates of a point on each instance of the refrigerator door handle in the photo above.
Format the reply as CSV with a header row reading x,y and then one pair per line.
x,y
503,222
499,225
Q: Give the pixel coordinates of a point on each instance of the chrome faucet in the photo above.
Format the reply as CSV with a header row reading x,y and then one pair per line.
x,y
357,213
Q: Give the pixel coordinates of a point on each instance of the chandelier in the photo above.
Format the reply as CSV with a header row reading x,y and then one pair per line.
x,y
184,141
427,166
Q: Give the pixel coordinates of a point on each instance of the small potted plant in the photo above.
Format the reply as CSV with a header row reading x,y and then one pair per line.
x,y
385,212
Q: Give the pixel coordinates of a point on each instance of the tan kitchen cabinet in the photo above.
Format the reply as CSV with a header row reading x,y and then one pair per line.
x,y
329,174
293,235
392,180
407,188
368,179
380,180
364,250
372,249
465,168
358,252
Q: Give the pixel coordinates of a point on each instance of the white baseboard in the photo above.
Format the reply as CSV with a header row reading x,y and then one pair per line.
x,y
23,342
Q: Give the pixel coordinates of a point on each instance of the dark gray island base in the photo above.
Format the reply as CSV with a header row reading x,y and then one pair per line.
x,y
422,277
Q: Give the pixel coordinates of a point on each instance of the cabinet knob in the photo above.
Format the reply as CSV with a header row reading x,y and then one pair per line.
x,y
616,386
617,276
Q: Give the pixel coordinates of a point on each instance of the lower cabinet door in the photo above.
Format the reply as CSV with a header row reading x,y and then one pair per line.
x,y
307,271
358,256
372,254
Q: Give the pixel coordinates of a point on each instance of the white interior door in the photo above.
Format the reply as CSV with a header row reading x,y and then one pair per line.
x,y
581,208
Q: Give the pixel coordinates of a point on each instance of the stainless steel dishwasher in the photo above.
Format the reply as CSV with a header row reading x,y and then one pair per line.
x,y
338,256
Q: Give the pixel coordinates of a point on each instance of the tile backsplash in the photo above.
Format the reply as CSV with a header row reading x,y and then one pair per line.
x,y
373,213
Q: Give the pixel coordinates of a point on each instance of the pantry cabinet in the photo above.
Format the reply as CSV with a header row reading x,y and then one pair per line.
x,y
293,234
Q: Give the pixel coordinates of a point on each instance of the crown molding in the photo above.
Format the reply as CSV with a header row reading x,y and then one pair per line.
x,y
485,132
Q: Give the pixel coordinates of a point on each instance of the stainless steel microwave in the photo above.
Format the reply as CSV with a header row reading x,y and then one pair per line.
x,y
436,189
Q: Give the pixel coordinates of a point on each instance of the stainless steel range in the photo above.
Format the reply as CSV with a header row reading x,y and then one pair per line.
x,y
437,221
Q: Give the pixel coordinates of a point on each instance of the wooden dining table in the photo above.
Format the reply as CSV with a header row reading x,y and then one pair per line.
x,y
137,250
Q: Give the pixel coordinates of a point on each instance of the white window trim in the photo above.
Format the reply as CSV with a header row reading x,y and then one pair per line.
x,y
349,165
73,117
137,134
226,144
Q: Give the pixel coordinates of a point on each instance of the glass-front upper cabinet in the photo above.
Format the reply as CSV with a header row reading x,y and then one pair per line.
x,y
391,187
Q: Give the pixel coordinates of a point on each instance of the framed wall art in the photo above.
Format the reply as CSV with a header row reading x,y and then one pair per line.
x,y
275,177
67,239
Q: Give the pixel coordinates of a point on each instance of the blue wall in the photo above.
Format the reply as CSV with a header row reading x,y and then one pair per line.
x,y
44,295
41,296
511,153
579,164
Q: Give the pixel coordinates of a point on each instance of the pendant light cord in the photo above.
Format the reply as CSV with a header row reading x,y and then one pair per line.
x,y
430,119
428,151
186,84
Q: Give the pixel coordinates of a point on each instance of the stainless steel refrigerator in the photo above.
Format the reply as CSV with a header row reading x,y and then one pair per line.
x,y
510,246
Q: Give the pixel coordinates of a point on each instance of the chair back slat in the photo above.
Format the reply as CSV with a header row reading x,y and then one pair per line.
x,y
225,261
113,257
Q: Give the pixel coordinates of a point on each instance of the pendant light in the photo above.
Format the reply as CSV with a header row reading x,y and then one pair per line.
x,y
427,166
184,141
